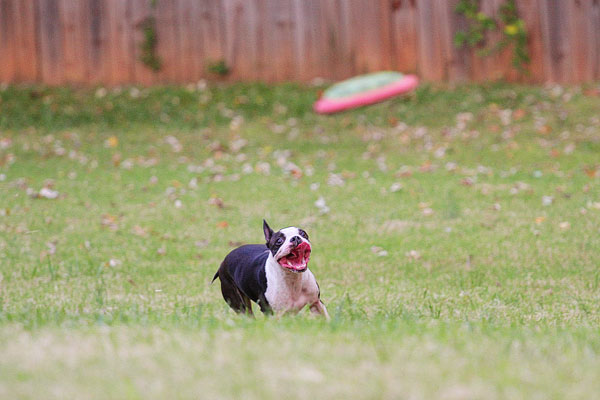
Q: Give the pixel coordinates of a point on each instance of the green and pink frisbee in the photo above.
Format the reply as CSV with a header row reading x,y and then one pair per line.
x,y
364,90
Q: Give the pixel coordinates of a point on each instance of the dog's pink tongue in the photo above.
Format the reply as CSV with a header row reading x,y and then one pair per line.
x,y
303,251
303,247
299,256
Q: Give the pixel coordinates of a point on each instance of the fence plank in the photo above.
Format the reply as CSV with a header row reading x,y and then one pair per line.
x,y
212,32
74,38
593,14
196,42
444,50
308,34
556,40
336,57
405,41
8,24
95,16
141,10
120,68
456,61
529,11
168,40
279,39
583,40
26,57
504,67
366,39
98,41
191,52
50,37
578,30
492,69
241,23
302,38
347,53
385,34
431,66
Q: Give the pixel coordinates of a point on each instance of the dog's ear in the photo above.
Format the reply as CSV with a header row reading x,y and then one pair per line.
x,y
268,231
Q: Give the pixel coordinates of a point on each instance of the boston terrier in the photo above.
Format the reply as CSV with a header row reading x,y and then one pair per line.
x,y
275,275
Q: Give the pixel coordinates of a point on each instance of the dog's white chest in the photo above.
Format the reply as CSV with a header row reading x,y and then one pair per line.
x,y
282,300
290,292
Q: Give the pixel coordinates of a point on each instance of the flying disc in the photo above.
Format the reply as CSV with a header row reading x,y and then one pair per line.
x,y
364,90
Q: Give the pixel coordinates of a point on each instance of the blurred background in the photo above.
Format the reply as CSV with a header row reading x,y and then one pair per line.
x,y
456,228
116,42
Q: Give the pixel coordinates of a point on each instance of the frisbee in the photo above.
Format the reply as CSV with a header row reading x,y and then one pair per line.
x,y
364,90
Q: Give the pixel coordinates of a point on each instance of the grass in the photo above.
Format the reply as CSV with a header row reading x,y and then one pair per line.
x,y
458,258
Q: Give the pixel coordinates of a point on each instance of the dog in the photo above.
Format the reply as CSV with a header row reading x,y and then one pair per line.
x,y
274,275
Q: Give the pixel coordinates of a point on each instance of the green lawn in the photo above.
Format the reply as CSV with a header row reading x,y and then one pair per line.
x,y
456,243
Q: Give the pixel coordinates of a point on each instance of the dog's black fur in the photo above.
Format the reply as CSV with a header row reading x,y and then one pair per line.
x,y
251,273
243,278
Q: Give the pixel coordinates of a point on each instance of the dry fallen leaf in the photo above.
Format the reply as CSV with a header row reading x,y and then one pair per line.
x,y
335,180
216,201
296,173
139,231
468,181
201,243
396,187
111,142
116,159
222,224
379,251
113,262
322,206
544,129
426,167
110,221
592,172
48,193
519,113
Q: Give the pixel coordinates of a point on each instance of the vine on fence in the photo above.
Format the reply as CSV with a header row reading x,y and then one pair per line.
x,y
512,28
148,46
219,68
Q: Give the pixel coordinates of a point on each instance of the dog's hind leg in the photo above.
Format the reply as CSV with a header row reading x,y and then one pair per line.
x,y
248,304
233,295
264,305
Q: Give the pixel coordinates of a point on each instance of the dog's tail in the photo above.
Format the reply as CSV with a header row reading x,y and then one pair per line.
x,y
218,272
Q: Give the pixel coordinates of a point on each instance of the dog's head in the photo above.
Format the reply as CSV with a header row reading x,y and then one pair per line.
x,y
290,247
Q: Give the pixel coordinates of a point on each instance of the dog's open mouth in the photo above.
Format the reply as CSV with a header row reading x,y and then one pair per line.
x,y
297,259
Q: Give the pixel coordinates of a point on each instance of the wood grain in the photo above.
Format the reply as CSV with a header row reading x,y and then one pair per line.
x,y
98,41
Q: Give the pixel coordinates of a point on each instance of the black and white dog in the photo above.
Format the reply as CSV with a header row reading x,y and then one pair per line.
x,y
275,275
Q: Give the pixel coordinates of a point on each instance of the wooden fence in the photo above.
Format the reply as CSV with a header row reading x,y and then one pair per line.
x,y
98,41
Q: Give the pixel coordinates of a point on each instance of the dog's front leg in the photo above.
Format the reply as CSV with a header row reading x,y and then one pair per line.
x,y
319,308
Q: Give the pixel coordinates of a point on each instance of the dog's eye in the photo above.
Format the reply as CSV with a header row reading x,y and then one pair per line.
x,y
303,234
279,242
